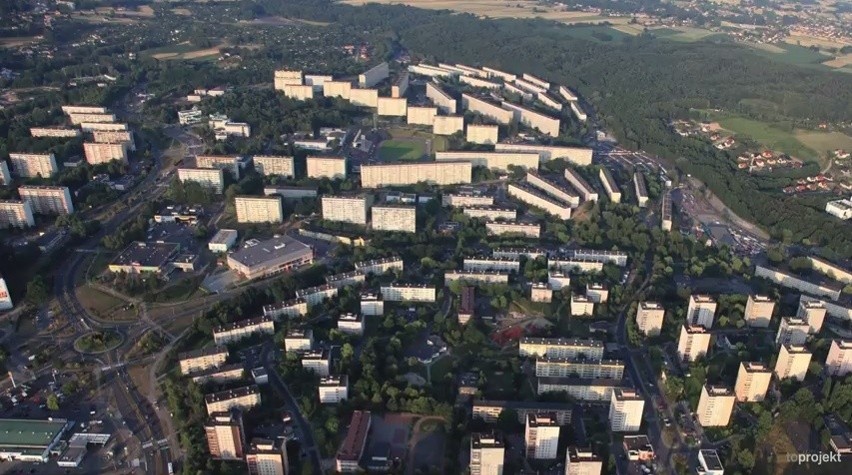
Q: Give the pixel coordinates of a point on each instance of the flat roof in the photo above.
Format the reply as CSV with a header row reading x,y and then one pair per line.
x,y
637,442
353,443
224,235
146,254
257,252
29,433
580,381
375,262
231,394
468,299
562,342
242,324
546,406
711,459
219,369
210,350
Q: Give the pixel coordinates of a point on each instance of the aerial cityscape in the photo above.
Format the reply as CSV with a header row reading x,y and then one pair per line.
x,y
425,237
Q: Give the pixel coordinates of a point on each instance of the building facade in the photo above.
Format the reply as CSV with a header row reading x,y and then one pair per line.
x,y
274,165
753,380
649,318
213,179
400,218
346,209
326,167
715,406
259,209
792,362
758,311
401,174
47,199
541,436
31,165
16,214
625,410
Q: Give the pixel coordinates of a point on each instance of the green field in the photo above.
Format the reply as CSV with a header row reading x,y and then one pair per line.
x,y
765,134
793,54
402,149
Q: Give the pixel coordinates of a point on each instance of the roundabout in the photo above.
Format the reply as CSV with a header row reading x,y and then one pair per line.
x,y
98,342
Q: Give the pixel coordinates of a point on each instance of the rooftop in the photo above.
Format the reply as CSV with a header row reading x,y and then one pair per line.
x,y
626,394
485,440
608,180
755,367
256,252
711,459
146,254
29,434
544,406
700,298
341,380
637,442
242,324
353,443
650,306
562,342
577,454
571,381
760,298
232,394
795,348
541,420
223,236
208,351
718,390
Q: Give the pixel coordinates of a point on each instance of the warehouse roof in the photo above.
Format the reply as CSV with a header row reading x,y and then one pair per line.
x,y
25,433
255,252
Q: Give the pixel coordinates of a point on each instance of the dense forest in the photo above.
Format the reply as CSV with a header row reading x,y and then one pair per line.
x,y
636,87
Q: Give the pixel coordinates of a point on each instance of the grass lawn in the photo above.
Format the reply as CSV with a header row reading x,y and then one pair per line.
x,y
767,135
104,306
824,142
399,149
793,54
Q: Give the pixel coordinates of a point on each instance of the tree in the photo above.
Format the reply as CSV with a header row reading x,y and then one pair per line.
x,y
52,402
37,293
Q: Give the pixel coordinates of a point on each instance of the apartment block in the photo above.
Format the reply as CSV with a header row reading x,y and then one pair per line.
x,y
541,436
346,279
625,410
558,280
534,120
532,230
828,289
206,177
483,134
476,82
351,323
222,162
618,258
532,197
467,305
549,101
95,126
443,101
316,295
568,348
291,192
341,89
267,457
447,124
550,367
401,174
364,97
666,212
288,308
792,330
582,461
701,310
72,109
16,214
47,199
298,340
576,265
496,73
333,389
259,209
418,115
400,218
298,91
709,463
640,189
54,132
225,435
80,118
693,343
317,81
758,311
236,331
487,454
535,80
587,193
5,176
326,167
466,199
492,160
470,71
529,87
98,153
582,306
649,318
831,270
487,109
203,359
408,293
400,86
580,156
554,189
284,78
372,304
792,362
813,312
525,95
597,293
432,71
346,209
578,112
392,106
274,165
587,390
753,380
839,359
491,264
518,252
352,448
31,165
610,186
490,213
380,266
317,361
715,406
476,277
243,398
489,411
374,75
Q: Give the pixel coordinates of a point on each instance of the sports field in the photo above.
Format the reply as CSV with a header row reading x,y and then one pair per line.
x,y
402,149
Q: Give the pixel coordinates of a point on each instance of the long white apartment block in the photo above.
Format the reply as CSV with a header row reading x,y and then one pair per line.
x,y
399,218
62,132
576,265
380,266
392,106
569,348
580,156
581,185
80,118
536,80
553,188
289,308
31,165
222,162
96,126
207,177
98,153
346,209
451,67
535,120
236,331
274,165
460,199
567,94
578,368
326,167
490,213
115,137
518,252
840,208
341,89
317,295
477,82
484,134
476,277
16,214
491,264
640,189
758,311
447,124
585,390
649,318
618,258
421,115
408,293
259,209
345,279
243,398
203,359
431,71
496,73
831,270
493,160
47,199
471,71
487,109
400,85
532,197
400,174
578,111
443,101
364,97
374,75
286,77
549,101
528,86
299,92
511,88
68,110
499,228
609,185
828,289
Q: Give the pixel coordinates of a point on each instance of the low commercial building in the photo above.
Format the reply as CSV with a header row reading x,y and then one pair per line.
x,y
447,124
586,390
487,109
223,240
758,311
208,178
292,308
582,306
408,293
31,440
579,156
259,209
346,209
333,389
374,75
492,160
553,188
298,339
840,208
531,230
351,323
532,197
581,185
500,264
532,119
274,165
392,106
785,279
578,368
753,380
401,174
541,437
203,359
466,199
47,199
332,168
318,361
32,165
792,362
243,398
139,257
236,331
609,185
715,406
352,448
380,266
649,318
399,218
568,348
484,134
640,189
443,101
490,213
258,259
839,359
471,277
16,214
625,410
693,343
